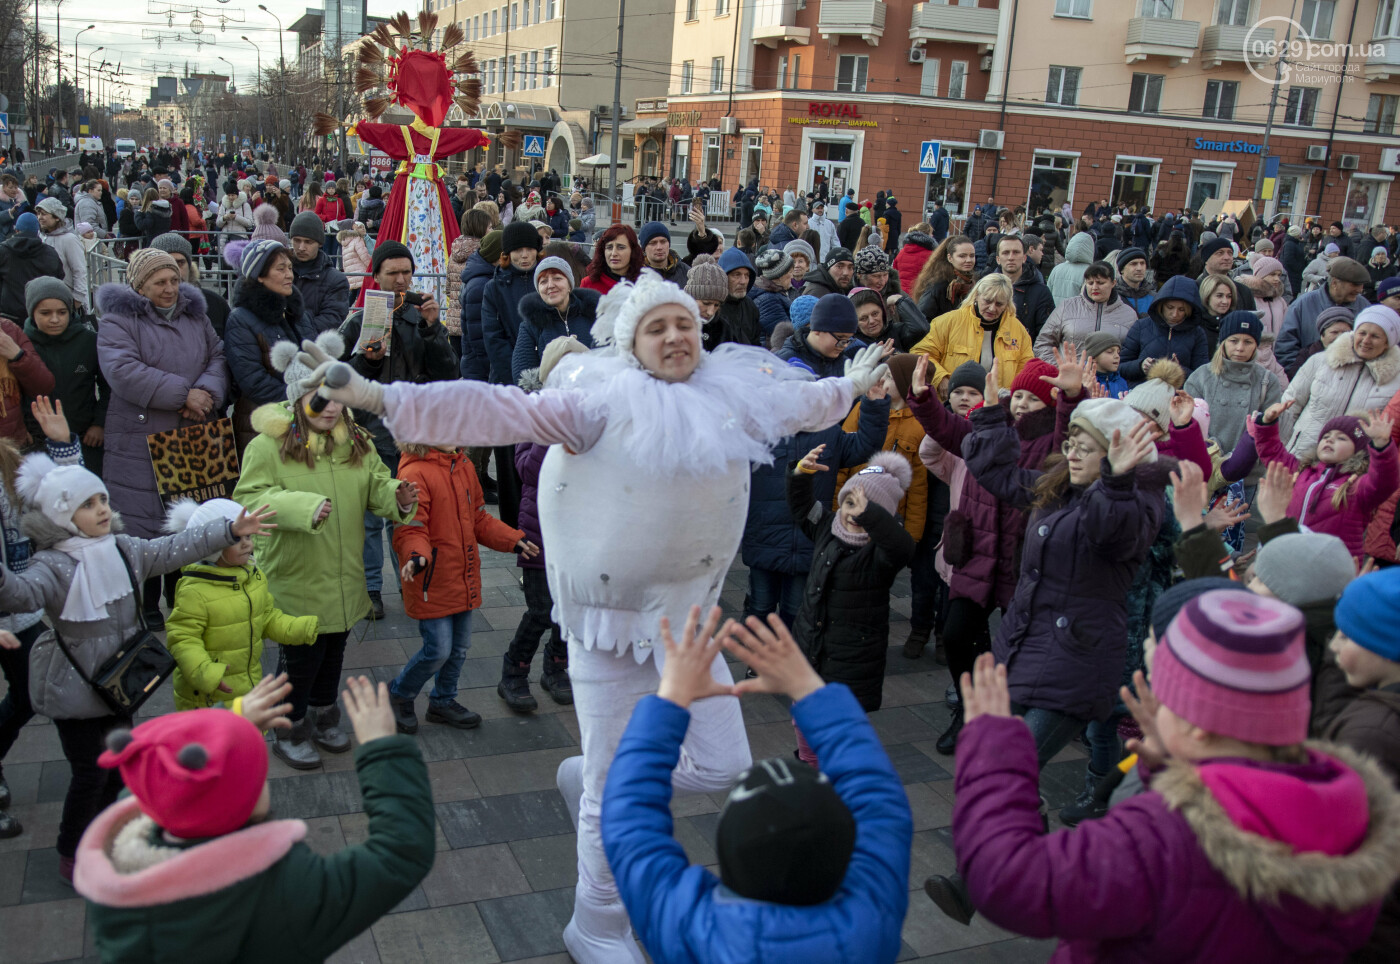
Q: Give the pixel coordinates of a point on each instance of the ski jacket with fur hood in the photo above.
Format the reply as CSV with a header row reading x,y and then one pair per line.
x,y
1225,861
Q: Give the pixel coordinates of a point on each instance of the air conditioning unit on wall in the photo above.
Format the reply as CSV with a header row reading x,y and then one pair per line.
x,y
991,140
729,125
1317,152
1349,162
917,55
986,61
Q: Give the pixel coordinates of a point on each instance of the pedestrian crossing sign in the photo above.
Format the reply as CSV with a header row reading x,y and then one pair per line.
x,y
4,123
928,157
534,146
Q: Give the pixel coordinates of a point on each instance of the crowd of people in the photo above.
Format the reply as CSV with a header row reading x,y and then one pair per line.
x,y
1148,509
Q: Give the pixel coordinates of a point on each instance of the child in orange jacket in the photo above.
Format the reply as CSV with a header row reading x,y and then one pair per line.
x,y
442,578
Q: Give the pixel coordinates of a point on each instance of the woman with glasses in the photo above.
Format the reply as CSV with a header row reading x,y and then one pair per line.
x,y
984,329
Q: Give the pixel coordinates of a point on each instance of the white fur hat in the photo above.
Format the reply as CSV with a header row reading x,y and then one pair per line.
x,y
56,490
187,513
626,304
294,373
1101,417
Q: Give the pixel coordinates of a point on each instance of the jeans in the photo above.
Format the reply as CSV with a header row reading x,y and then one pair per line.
x,y
772,591
314,672
536,621
444,650
1104,751
377,531
923,584
1052,729
92,788
15,709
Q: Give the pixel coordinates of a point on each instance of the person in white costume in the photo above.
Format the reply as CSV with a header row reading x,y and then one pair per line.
x,y
642,501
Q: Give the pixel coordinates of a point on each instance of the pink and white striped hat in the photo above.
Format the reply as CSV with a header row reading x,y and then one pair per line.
x,y
1234,664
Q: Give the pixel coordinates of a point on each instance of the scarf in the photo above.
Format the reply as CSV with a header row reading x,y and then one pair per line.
x,y
100,577
853,539
958,287
9,389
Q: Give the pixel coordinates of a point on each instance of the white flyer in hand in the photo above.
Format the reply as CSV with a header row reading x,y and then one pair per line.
x,y
377,322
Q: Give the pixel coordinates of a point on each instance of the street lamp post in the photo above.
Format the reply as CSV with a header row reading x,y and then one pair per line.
x,y
258,86
76,107
92,121
282,82
233,80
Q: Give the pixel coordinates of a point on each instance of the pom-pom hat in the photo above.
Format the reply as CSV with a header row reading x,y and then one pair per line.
x,y
294,373
57,490
884,481
187,513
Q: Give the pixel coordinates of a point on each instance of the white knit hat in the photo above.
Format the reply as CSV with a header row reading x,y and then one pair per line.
x,y
56,490
627,303
294,373
187,513
1101,417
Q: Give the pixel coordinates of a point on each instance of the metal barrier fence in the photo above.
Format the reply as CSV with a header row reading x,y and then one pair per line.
x,y
65,162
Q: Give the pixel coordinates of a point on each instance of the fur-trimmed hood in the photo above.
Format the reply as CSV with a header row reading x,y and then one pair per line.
x,y
275,420
1260,869
1033,425
45,534
115,298
1356,465
1339,355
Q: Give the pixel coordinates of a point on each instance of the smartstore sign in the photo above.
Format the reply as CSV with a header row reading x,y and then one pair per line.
x,y
1279,51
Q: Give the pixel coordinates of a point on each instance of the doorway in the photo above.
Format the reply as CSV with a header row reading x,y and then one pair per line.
x,y
831,168
1205,186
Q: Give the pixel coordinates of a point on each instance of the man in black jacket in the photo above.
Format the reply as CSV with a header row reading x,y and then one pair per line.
x,y
848,228
835,275
1031,295
23,257
324,289
418,352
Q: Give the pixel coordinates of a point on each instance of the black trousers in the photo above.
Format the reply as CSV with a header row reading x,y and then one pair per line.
x,y
314,672
15,708
535,622
92,788
965,635
507,486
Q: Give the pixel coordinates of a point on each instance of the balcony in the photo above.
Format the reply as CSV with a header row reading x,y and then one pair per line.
x,y
1225,45
852,18
941,21
775,22
1386,64
1156,37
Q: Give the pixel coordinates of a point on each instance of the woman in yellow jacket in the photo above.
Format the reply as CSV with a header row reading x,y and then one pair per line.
x,y
982,329
903,436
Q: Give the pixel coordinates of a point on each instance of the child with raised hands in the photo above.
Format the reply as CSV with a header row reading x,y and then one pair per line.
x,y
1339,487
193,851
813,865
1247,846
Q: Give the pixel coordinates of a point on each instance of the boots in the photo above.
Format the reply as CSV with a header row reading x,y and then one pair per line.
x,y
405,716
950,894
514,686
940,655
1087,805
555,681
948,739
325,728
294,746
376,605
914,645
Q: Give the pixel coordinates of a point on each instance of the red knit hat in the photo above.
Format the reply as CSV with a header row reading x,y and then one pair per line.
x,y
196,774
1029,380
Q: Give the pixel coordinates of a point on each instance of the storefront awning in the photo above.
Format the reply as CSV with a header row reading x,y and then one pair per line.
x,y
644,125
596,160
521,116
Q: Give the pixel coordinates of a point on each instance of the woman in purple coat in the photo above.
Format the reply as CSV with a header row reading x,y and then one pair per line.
x,y
165,367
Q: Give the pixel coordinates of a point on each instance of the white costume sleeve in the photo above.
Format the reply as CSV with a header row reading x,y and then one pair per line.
x,y
826,402
476,413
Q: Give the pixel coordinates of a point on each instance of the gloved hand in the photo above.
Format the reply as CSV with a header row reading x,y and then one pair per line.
x,y
866,369
350,387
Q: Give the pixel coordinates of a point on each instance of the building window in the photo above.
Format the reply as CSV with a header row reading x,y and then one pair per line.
x,y
680,157
1063,86
534,69
1052,182
716,74
782,71
1145,97
721,7
1221,96
711,158
1233,13
514,16
512,74
692,10
1380,114
493,23
651,158
1133,183
687,77
1302,106
851,72
550,9
753,156
549,66
1072,8
1316,18
490,72
1159,9
957,79
525,14
928,80
795,75
539,4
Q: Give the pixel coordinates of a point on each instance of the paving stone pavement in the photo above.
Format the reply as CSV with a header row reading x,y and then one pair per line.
x,y
502,886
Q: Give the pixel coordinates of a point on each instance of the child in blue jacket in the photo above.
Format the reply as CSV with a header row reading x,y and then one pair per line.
x,y
814,866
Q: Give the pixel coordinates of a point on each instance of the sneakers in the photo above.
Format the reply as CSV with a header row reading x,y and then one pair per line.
x,y
376,605
405,718
294,746
914,645
555,681
514,687
453,714
950,895
948,739
325,728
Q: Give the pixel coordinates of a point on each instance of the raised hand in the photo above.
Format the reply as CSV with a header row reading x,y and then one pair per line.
x,y
866,368
811,463
880,390
1182,408
1275,492
984,690
1272,413
368,707
1378,426
1224,515
769,649
1125,453
257,524
919,383
49,414
859,502
686,676
1190,495
991,392
1072,367
1144,706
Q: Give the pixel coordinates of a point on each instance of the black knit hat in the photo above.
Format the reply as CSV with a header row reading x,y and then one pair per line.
x,y
968,375
385,250
520,234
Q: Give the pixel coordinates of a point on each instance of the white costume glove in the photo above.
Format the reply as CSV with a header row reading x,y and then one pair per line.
x,y
866,369
339,382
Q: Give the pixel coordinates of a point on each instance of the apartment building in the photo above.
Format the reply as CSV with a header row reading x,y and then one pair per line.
x,y
1042,102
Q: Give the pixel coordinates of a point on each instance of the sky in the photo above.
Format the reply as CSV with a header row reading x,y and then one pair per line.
x,y
119,33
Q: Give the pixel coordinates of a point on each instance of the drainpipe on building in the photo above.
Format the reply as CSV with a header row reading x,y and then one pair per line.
x,y
1337,108
1005,93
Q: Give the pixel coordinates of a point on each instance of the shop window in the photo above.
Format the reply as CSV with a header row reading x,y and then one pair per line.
x,y
1365,202
1052,182
1380,114
753,156
687,76
1073,8
1221,96
928,80
1301,110
1233,13
1063,86
680,157
1133,183
711,168
851,73
716,74
1316,18
957,79
951,191
1145,96
651,157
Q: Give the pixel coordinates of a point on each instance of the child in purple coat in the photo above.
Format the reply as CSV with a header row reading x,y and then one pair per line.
x,y
1248,845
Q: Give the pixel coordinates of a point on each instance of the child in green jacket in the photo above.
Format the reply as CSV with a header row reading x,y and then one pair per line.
x,y
223,611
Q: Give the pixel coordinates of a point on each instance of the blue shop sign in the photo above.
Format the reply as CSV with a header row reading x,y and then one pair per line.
x,y
1232,147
